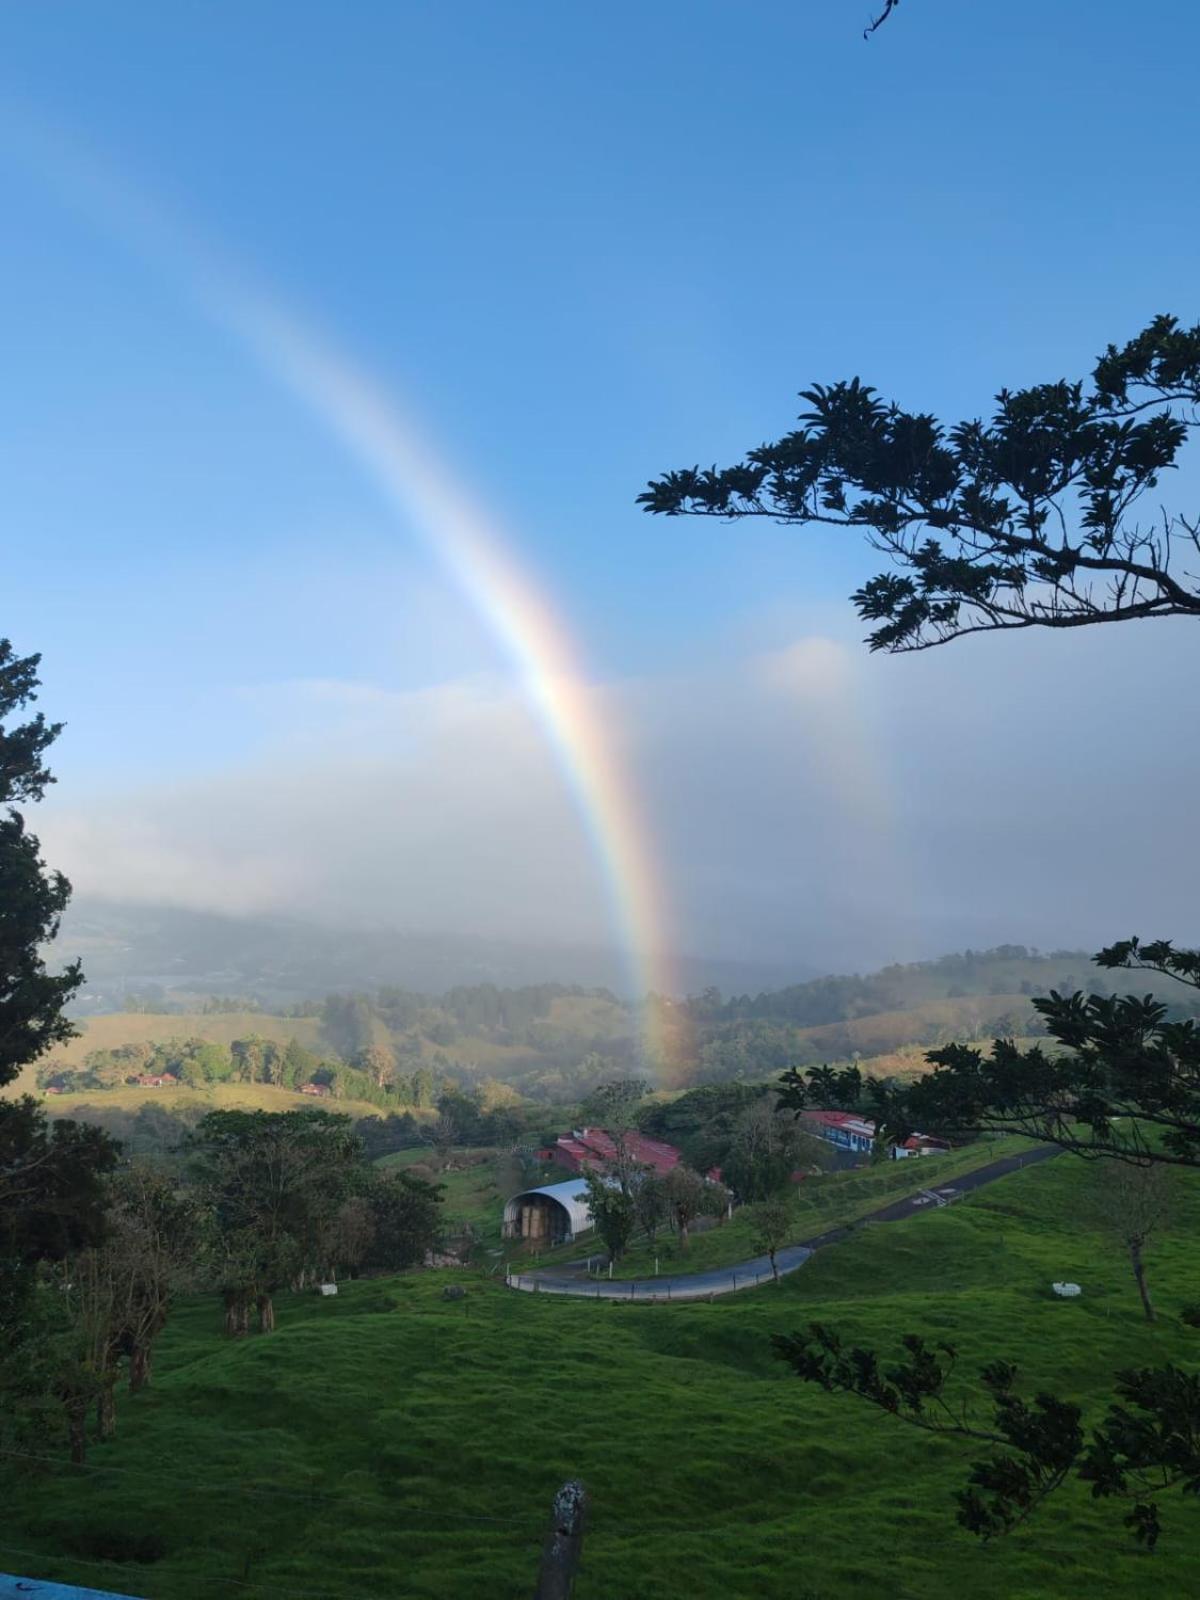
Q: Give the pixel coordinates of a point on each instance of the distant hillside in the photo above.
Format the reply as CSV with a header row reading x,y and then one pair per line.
x,y
114,1029
1008,970
175,954
219,1097
395,1048
931,1022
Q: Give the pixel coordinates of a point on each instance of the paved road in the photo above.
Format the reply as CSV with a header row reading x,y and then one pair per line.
x,y
572,1279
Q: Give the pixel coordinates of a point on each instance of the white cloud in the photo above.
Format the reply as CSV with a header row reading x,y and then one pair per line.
x,y
812,805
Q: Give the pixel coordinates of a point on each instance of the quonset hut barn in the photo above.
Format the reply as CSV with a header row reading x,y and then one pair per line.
x,y
553,1215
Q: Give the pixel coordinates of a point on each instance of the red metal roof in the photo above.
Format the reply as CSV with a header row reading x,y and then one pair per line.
x,y
595,1147
842,1119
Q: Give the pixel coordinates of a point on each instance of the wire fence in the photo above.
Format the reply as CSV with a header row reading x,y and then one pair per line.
x,y
652,1290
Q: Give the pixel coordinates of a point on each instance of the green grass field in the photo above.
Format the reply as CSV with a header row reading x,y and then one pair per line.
x,y
819,1203
216,1097
387,1442
138,1027
885,1032
475,1188
471,1193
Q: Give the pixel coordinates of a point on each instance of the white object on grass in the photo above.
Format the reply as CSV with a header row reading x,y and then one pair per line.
x,y
1068,1291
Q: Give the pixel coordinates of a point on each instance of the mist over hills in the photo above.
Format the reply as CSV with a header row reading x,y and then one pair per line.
x,y
132,948
227,1006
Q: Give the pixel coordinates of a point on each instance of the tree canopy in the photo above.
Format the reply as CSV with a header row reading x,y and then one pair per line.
x,y
51,1194
1120,1080
1036,517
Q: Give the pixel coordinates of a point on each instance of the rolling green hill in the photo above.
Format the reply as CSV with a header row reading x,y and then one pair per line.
x,y
925,1022
551,1042
390,1442
137,1027
216,1097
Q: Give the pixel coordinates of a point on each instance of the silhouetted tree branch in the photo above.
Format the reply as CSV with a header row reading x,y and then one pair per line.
x,y
1147,1442
878,22
1026,520
1124,1085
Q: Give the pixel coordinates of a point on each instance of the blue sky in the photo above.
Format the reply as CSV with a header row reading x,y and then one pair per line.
x,y
585,244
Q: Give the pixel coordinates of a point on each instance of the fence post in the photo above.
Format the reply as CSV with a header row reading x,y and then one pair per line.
x,y
564,1543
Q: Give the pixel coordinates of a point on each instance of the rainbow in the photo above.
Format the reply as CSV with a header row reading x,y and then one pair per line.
x,y
370,422
516,609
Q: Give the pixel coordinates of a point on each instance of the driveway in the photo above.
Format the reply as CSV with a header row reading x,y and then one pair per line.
x,y
572,1279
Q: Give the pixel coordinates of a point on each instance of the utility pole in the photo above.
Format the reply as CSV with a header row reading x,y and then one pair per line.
x,y
564,1544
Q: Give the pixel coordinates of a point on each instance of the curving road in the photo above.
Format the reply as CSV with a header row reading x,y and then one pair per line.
x,y
573,1280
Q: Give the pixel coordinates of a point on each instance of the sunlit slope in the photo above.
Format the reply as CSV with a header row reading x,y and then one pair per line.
x,y
138,1027
926,1022
391,1442
214,1097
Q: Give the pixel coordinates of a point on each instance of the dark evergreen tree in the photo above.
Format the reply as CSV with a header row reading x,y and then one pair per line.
x,y
52,1199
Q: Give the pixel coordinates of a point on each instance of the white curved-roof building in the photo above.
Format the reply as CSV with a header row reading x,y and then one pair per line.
x,y
553,1215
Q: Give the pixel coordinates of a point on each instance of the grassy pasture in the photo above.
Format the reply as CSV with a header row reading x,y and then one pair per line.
x,y
216,1097
472,1190
887,1032
819,1203
138,1027
389,1442
476,1186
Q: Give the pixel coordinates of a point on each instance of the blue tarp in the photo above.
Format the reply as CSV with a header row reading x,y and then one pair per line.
x,y
12,1588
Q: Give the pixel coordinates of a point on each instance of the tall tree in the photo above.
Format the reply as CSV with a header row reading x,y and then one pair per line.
x,y
773,1222
32,899
767,1147
274,1181
51,1190
442,1134
153,1237
378,1061
405,1213
685,1196
116,1295
1132,1202
614,1105
649,1194
613,1213
1033,518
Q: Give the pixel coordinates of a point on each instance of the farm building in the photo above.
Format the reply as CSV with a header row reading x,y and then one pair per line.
x,y
855,1135
553,1215
596,1148
918,1144
843,1129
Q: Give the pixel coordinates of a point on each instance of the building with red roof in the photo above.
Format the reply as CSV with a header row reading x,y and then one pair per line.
x,y
595,1149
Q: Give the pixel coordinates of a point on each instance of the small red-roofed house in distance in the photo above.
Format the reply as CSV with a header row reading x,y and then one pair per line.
x,y
855,1135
